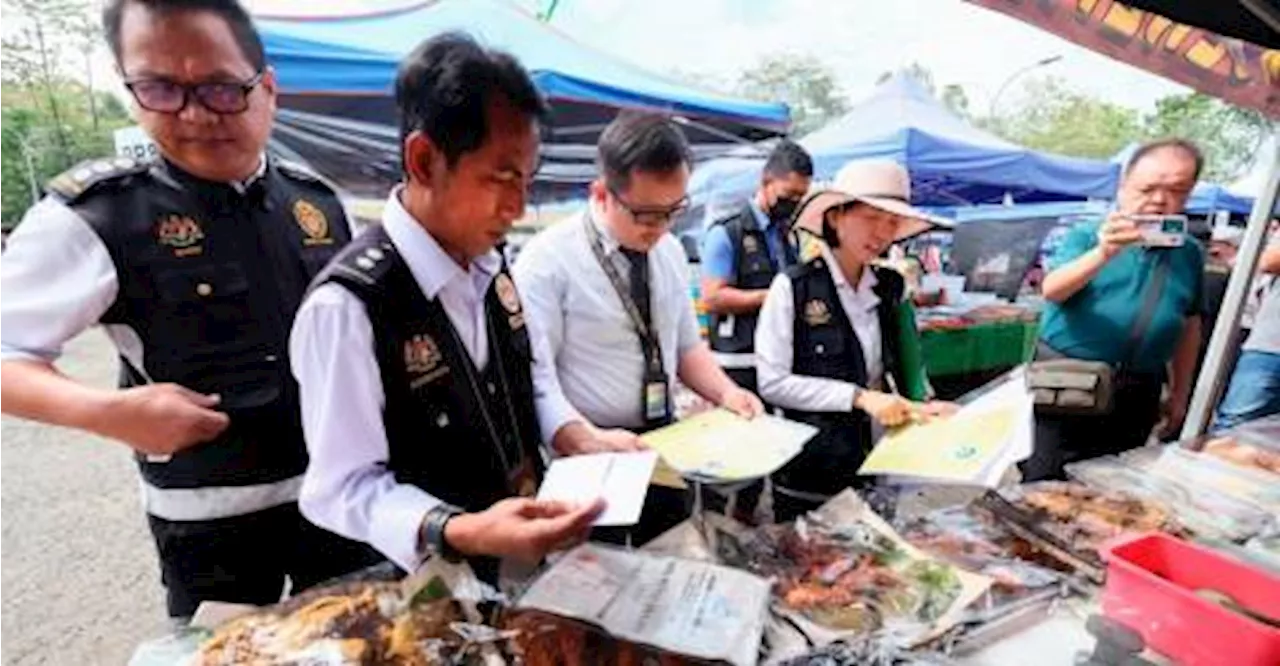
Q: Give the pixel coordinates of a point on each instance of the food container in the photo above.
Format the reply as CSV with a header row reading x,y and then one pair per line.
x,y
1151,586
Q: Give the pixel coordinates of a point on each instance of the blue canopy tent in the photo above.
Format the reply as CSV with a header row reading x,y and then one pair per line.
x,y
336,79
952,163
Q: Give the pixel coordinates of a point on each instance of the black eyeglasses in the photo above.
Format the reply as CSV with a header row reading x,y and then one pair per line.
x,y
165,96
653,217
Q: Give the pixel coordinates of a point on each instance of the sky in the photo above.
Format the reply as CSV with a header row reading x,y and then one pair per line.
x,y
858,39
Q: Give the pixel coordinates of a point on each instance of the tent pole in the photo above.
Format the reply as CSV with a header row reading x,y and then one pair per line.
x,y
1213,373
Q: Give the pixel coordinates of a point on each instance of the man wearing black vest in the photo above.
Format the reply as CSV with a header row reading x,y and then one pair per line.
x,y
194,265
741,255
425,393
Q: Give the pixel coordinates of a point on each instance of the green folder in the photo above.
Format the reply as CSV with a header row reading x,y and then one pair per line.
x,y
914,383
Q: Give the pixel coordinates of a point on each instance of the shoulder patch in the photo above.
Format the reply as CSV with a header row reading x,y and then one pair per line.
x,y
301,172
86,175
366,262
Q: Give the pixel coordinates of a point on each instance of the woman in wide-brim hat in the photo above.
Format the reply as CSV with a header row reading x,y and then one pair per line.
x,y
829,338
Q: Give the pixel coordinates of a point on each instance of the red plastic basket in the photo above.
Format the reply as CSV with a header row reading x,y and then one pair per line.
x,y
1151,580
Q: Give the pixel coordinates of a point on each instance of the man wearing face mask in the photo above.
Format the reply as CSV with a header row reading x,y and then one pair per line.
x,y
741,255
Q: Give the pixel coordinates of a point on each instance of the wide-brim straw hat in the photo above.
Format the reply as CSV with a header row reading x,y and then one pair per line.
x,y
883,184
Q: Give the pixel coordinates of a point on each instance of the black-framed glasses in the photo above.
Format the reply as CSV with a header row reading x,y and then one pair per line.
x,y
165,96
652,217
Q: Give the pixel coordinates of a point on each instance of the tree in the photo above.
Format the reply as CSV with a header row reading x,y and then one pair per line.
x,y
1060,120
952,95
804,83
1230,136
52,118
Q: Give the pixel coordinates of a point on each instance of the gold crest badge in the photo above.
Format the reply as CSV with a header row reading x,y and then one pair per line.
x,y
816,313
181,233
423,360
313,223
750,244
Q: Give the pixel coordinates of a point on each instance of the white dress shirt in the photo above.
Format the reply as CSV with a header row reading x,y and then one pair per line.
x,y
595,345
775,351
348,488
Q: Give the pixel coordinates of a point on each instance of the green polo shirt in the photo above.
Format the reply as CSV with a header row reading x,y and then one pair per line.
x,y
1097,321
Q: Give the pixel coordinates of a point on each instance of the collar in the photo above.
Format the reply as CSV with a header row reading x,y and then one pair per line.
x,y
866,284
431,266
242,186
595,219
177,175
762,220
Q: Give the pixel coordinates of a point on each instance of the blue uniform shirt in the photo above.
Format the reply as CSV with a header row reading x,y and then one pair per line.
x,y
718,255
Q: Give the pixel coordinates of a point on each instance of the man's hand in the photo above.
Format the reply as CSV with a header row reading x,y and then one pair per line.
x,y
1117,233
615,439
522,529
742,402
160,419
579,437
1173,413
887,409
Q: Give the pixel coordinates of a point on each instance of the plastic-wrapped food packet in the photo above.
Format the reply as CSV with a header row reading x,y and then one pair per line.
x,y
958,536
1202,510
1199,470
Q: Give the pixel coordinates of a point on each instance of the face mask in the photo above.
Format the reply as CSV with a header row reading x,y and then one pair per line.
x,y
782,210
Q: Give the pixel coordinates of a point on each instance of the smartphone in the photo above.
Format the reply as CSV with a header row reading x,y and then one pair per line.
x,y
1161,230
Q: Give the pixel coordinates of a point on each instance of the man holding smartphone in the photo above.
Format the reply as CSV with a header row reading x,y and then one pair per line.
x,y
1112,296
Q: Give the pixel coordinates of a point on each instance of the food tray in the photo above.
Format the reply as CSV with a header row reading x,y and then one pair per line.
x,y
1151,587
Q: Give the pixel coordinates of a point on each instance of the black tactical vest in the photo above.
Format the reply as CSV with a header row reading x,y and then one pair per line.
x,y
754,268
210,280
467,436
824,344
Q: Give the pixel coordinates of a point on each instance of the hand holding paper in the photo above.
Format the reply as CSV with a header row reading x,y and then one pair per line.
x,y
621,479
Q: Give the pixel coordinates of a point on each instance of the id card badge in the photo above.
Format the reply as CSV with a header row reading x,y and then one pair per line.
x,y
725,330
655,401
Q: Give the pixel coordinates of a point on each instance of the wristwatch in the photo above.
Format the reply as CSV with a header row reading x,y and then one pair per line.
x,y
431,541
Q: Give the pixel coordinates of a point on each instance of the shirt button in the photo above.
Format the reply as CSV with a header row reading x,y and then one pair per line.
x,y
820,349
204,289
492,389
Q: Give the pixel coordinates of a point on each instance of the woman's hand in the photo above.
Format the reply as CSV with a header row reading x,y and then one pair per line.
x,y
887,409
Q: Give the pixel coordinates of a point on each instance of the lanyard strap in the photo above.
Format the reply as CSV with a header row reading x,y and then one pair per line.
x,y
648,340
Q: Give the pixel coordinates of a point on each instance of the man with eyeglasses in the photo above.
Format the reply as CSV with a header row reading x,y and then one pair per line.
x,y
610,289
1111,298
194,265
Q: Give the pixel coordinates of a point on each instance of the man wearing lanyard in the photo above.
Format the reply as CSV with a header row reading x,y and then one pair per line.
x,y
610,288
194,265
742,253
425,396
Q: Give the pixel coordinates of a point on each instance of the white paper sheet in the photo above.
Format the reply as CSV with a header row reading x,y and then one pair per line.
x,y
622,479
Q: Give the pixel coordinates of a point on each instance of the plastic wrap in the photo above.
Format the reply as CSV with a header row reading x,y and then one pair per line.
x,y
678,607
977,544
1201,509
1083,518
365,617
1200,471
846,571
